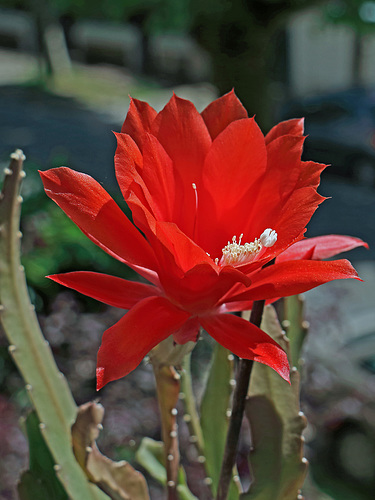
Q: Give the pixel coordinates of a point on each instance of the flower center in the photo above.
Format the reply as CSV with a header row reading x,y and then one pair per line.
x,y
234,253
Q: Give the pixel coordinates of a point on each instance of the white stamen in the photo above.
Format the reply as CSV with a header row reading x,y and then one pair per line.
x,y
268,238
235,253
194,186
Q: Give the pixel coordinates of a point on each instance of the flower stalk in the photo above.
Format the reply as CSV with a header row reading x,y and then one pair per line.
x,y
238,407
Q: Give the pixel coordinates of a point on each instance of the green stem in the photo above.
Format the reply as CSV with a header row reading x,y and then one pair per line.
x,y
191,413
238,407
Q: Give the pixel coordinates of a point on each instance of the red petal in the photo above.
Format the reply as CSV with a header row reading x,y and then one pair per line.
x,y
310,173
129,167
189,332
220,113
284,165
201,288
235,161
111,290
159,178
126,343
138,120
289,219
247,341
234,164
181,131
288,127
92,209
293,277
321,247
187,254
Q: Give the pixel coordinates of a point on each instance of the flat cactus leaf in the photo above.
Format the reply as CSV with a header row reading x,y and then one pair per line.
x,y
150,455
45,384
119,480
214,414
276,423
40,481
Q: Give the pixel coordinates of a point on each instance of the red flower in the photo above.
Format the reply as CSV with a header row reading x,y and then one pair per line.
x,y
215,201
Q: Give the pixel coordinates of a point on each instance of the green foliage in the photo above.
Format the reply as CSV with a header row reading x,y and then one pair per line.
x,y
295,325
40,481
277,424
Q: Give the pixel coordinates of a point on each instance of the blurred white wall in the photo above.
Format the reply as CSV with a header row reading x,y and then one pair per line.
x,y
321,55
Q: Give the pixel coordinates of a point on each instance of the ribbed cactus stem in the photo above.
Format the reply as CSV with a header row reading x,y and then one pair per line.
x,y
191,416
45,384
168,388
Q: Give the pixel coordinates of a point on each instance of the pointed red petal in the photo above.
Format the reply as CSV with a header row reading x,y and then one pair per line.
x,y
158,176
189,332
183,134
288,127
289,219
111,290
290,278
220,113
234,164
235,161
310,173
181,131
129,167
126,343
92,209
187,253
284,165
247,341
321,247
139,120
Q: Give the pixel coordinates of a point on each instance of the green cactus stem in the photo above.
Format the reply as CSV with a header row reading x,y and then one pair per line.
x,y
215,412
191,415
238,408
295,325
45,384
276,423
168,389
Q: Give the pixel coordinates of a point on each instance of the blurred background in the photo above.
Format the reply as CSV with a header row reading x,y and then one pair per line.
x,y
67,68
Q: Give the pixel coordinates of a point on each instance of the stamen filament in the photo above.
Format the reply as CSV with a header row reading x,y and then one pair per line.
x,y
236,254
194,186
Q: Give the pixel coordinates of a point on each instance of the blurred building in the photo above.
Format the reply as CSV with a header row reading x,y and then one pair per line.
x,y
325,57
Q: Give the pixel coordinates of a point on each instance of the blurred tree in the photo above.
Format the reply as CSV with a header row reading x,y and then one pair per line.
x,y
359,15
242,37
51,39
